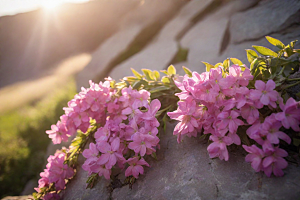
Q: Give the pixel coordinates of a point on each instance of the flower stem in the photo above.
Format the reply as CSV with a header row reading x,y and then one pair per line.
x,y
292,85
294,79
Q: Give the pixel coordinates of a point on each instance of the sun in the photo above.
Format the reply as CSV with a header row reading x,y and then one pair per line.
x,y
50,4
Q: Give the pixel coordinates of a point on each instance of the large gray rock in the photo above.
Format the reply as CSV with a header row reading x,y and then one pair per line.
x,y
183,19
206,38
156,56
76,189
102,57
185,171
150,13
238,50
205,46
266,18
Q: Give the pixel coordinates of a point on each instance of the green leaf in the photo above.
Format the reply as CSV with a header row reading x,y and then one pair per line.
x,y
277,43
251,55
158,89
165,79
208,66
226,64
171,70
236,61
156,75
148,74
218,65
187,71
265,51
296,141
154,155
137,84
138,75
164,71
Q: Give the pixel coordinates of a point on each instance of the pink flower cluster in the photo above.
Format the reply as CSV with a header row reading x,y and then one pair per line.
x,y
218,103
267,134
89,103
130,132
56,172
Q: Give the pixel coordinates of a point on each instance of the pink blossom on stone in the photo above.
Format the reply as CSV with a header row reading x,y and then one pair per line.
x,y
229,121
92,151
51,196
255,156
264,92
219,147
290,115
58,133
109,152
101,170
250,112
135,166
275,162
143,144
271,127
242,77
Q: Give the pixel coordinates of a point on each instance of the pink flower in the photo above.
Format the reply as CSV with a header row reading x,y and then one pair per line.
x,y
271,127
109,152
102,170
242,77
229,121
91,152
185,113
250,112
58,133
51,196
218,147
143,143
265,92
255,156
58,171
135,167
290,117
275,163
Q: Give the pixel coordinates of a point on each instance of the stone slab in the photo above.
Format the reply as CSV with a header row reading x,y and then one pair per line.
x,y
185,171
156,56
238,50
206,47
76,189
266,18
109,50
210,24
205,39
183,19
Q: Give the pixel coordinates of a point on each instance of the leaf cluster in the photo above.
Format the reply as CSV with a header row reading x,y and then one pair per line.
x,y
266,64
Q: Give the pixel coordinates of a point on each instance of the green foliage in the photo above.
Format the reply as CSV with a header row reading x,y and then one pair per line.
x,y
23,141
277,66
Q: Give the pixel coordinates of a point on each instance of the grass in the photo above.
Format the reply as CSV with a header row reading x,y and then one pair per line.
x,y
23,141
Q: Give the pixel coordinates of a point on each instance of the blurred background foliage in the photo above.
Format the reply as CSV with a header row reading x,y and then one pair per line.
x,y
22,142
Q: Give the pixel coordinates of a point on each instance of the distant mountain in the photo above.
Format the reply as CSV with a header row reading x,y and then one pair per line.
x,y
34,41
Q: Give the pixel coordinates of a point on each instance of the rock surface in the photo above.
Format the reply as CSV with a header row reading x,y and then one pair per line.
x,y
156,56
268,17
102,57
183,19
185,171
206,39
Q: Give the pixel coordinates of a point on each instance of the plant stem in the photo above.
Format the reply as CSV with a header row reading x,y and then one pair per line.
x,y
292,85
294,79
281,71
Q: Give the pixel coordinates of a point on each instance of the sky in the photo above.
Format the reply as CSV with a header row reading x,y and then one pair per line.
x,y
11,7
